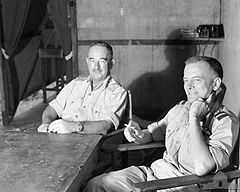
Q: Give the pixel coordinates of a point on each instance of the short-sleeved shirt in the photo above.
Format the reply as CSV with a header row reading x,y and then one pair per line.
x,y
78,101
220,136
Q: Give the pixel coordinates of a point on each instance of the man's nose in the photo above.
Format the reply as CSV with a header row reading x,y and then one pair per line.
x,y
189,85
96,65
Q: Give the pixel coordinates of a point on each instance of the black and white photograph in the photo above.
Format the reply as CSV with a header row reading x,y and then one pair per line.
x,y
119,96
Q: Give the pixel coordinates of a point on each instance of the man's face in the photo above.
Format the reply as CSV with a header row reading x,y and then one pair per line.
x,y
98,62
198,80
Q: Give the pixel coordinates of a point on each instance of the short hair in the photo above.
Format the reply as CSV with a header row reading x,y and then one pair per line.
x,y
213,63
103,44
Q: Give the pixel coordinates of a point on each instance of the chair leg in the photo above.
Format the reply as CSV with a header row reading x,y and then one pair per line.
x,y
43,71
124,159
44,94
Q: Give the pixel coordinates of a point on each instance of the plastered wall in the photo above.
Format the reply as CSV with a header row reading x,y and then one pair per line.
x,y
153,72
230,53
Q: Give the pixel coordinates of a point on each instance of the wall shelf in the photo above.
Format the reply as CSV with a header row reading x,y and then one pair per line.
x,y
180,41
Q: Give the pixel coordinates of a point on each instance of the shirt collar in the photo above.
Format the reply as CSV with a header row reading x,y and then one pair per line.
x,y
104,83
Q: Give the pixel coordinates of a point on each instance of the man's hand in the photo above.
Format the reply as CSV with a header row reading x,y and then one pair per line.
x,y
133,132
43,128
62,127
198,109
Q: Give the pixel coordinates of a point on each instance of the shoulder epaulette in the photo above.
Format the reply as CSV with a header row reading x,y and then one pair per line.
x,y
114,86
81,78
221,114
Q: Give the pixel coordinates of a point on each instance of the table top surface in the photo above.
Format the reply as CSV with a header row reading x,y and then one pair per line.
x,y
42,162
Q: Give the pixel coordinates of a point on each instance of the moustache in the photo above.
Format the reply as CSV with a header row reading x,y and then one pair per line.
x,y
97,70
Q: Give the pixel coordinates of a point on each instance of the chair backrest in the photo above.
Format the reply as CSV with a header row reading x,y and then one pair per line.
x,y
50,52
216,101
125,116
234,158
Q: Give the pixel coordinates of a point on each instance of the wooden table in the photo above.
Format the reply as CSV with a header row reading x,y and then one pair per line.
x,y
33,162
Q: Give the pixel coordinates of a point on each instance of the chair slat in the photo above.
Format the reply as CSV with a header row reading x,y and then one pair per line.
x,y
50,53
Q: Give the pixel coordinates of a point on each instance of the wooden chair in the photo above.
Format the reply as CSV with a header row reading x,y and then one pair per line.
x,y
118,147
120,151
225,180
52,54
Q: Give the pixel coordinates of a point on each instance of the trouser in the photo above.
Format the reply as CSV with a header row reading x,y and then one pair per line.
x,y
122,180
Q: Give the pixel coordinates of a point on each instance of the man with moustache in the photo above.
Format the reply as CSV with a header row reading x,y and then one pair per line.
x,y
91,105
199,133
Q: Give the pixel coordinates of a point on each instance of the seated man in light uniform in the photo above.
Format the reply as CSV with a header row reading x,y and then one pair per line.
x,y
192,145
91,105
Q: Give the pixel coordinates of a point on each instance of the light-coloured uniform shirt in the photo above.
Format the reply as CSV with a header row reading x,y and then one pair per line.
x,y
221,135
78,101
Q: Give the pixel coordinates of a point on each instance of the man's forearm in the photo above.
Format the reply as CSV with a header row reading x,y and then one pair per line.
x,y
49,114
202,157
97,126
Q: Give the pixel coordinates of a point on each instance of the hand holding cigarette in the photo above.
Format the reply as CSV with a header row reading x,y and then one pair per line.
x,y
133,132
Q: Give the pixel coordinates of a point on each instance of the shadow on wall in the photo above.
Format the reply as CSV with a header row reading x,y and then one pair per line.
x,y
154,93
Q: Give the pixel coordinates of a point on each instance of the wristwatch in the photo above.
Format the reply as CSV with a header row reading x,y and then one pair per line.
x,y
80,126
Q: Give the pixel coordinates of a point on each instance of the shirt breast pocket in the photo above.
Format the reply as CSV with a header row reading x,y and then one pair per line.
x,y
97,112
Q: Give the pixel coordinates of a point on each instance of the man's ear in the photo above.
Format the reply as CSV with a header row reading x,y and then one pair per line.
x,y
111,63
217,83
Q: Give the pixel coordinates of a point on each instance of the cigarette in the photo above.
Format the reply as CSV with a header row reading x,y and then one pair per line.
x,y
130,105
127,125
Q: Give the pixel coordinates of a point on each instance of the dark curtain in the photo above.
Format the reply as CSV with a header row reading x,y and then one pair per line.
x,y
22,36
26,58
14,15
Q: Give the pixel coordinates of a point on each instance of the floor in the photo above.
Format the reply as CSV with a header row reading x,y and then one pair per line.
x,y
28,114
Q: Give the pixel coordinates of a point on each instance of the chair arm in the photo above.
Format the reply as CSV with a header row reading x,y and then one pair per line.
x,y
131,146
113,133
109,147
205,182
